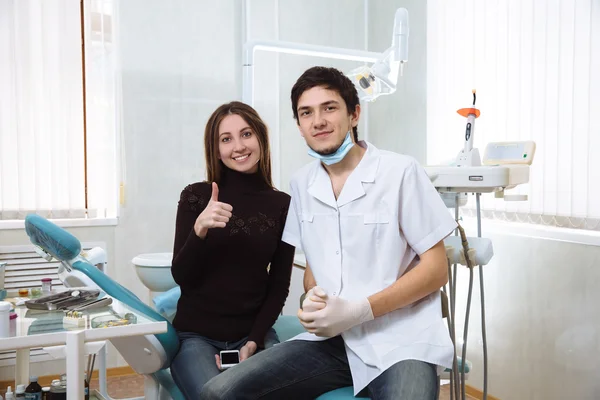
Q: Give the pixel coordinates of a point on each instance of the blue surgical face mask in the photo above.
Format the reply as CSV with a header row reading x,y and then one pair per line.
x,y
339,154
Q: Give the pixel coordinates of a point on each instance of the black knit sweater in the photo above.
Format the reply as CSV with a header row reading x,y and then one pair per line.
x,y
235,281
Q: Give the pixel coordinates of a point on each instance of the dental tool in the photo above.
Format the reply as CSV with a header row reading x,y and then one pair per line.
x,y
469,156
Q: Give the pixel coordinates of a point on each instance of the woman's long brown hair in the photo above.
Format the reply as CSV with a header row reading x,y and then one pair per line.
x,y
214,166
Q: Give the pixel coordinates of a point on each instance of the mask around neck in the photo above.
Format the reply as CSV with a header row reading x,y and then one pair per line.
x,y
339,154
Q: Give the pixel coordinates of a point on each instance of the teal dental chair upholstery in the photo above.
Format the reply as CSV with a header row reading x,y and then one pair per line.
x,y
66,248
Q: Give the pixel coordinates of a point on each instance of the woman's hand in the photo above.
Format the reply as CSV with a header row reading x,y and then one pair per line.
x,y
248,350
215,215
245,352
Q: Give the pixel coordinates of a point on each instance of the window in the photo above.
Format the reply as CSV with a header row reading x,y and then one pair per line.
x,y
57,140
534,64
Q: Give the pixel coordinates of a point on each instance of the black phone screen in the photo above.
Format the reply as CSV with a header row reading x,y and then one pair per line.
x,y
230,358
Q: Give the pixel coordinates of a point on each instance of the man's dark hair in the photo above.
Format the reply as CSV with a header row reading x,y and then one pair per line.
x,y
331,79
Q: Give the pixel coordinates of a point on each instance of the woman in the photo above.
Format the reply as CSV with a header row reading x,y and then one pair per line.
x,y
233,269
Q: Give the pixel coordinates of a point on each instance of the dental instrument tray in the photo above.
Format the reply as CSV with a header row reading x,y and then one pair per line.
x,y
70,299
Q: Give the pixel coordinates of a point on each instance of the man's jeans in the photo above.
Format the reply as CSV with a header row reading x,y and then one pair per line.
x,y
195,364
304,370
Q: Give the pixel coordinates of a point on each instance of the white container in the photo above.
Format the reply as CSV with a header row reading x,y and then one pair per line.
x,y
20,392
4,319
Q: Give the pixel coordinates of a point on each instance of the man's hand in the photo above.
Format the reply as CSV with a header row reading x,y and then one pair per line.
x,y
314,302
246,352
337,316
215,215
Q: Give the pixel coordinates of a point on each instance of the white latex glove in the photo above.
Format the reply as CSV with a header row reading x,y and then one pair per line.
x,y
314,302
338,316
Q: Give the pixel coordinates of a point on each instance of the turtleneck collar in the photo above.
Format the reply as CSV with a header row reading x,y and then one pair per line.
x,y
240,180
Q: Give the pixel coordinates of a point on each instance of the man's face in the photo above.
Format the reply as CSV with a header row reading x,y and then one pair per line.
x,y
323,119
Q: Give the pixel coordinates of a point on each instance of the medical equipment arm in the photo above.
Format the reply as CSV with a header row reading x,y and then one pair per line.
x,y
427,277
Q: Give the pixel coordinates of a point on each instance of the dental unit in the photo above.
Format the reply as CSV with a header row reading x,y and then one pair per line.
x,y
505,165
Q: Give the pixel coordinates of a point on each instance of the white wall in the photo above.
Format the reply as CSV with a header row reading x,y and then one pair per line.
x,y
178,63
543,325
399,122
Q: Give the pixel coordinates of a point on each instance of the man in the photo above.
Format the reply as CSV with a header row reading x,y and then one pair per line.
x,y
372,227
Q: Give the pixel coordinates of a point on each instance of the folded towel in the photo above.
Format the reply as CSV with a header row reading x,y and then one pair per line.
x,y
166,303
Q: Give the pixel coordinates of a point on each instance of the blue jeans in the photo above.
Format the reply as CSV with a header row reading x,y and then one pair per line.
x,y
194,364
304,370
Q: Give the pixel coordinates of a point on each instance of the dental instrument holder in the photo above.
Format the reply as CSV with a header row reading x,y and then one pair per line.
x,y
505,165
149,355
70,299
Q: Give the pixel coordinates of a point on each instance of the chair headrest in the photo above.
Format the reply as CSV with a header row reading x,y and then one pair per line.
x,y
53,239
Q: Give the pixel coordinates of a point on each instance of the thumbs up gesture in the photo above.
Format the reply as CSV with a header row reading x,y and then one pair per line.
x,y
215,215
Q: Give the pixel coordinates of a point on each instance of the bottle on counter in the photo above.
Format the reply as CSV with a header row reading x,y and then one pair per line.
x,y
9,394
58,391
20,392
34,390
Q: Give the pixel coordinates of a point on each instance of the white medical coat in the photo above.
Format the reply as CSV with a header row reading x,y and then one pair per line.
x,y
387,214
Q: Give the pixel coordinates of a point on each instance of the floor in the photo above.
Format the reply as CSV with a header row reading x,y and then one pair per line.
x,y
123,387
133,386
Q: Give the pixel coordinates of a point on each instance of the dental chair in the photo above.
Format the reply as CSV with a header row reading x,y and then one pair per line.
x,y
149,355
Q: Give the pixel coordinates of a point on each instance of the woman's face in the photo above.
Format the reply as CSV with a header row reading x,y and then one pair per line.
x,y
238,145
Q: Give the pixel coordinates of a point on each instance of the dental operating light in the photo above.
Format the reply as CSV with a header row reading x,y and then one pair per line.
x,y
381,77
371,81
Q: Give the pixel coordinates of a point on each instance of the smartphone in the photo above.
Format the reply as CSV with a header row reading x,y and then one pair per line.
x,y
229,358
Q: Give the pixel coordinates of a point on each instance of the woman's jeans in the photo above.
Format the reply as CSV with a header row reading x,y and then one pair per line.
x,y
195,364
